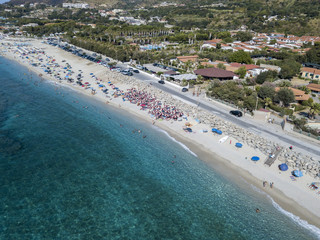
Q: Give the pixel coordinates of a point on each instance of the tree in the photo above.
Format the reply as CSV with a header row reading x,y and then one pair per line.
x,y
241,57
250,103
289,69
286,96
267,102
241,72
314,110
266,91
267,76
243,36
273,41
313,55
221,66
305,89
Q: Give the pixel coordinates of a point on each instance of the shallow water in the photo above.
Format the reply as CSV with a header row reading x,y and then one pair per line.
x,y
69,170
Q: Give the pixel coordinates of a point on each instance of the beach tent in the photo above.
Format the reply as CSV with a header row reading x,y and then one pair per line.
x,y
239,145
297,173
255,158
283,167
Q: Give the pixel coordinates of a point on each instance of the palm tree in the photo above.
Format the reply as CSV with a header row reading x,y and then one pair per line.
x,y
267,102
314,109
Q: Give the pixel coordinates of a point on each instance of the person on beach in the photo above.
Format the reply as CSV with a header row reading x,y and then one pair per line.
x,y
271,185
290,147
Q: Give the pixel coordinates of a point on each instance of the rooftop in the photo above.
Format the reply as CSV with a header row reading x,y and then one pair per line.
x,y
215,73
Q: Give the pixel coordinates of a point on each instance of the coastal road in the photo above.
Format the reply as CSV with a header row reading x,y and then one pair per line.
x,y
242,122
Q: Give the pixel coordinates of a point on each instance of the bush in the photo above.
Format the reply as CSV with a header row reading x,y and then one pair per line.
x,y
298,107
315,81
281,110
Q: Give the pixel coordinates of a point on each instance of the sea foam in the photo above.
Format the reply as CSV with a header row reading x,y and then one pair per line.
x,y
175,140
293,217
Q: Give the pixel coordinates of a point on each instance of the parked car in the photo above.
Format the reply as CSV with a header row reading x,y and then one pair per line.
x,y
184,89
136,71
161,82
236,113
127,73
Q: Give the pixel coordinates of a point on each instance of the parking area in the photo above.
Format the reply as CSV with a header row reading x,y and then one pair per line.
x,y
153,68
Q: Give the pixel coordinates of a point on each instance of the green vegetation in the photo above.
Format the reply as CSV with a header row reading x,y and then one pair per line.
x,y
240,57
285,96
233,93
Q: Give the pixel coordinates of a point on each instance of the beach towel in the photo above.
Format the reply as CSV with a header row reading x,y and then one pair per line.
x,y
293,178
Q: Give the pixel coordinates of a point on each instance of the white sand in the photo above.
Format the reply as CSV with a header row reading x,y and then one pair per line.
x,y
294,196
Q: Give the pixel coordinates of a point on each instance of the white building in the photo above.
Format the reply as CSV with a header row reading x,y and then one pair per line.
x,y
75,5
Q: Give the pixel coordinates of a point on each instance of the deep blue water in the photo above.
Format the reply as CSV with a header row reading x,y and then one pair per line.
x,y
69,170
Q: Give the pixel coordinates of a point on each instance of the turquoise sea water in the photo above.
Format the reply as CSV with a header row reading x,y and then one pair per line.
x,y
74,168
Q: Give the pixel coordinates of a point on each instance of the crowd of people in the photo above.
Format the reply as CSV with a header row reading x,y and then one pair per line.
x,y
156,108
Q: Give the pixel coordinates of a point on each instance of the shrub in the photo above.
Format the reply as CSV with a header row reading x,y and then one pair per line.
x,y
298,107
281,110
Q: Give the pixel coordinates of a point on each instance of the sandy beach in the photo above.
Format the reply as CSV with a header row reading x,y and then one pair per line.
x,y
293,195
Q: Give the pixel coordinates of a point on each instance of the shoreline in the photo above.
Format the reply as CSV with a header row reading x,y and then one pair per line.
x,y
215,158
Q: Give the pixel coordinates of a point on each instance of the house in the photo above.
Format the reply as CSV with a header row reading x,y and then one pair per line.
x,y
314,87
311,73
298,94
216,73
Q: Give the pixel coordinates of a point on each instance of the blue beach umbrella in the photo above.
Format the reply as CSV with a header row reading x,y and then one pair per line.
x,y
255,158
91,73
297,173
283,167
214,130
239,145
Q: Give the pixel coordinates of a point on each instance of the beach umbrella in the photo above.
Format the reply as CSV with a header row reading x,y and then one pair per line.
x,y
255,158
283,167
91,73
316,185
214,130
239,145
297,173
100,85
